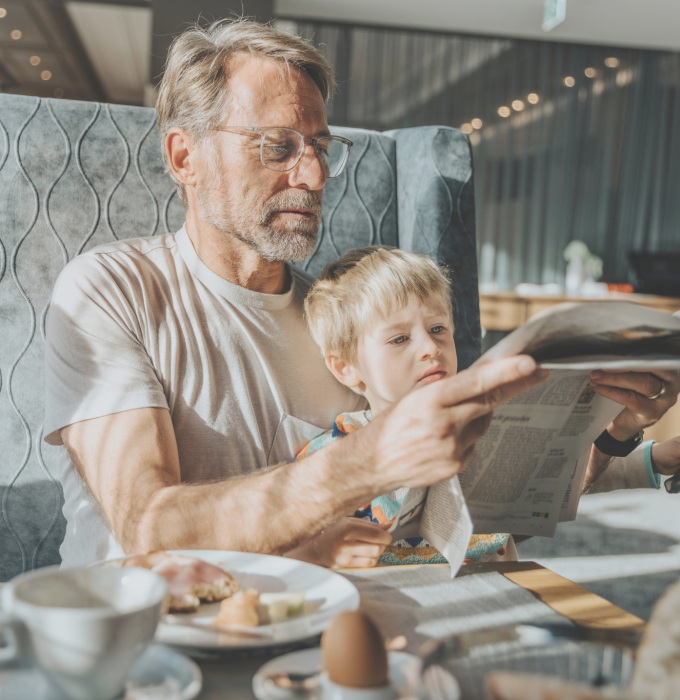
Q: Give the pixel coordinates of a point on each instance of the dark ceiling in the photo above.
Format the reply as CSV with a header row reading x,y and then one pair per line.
x,y
41,52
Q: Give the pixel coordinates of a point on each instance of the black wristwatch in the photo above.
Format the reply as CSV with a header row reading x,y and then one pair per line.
x,y
617,448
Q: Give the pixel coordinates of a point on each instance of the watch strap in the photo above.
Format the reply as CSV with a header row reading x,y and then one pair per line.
x,y
617,448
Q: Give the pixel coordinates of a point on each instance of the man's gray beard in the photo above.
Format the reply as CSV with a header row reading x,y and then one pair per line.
x,y
294,241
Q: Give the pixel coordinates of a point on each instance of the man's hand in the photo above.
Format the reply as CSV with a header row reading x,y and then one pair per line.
x,y
429,435
666,456
633,390
348,544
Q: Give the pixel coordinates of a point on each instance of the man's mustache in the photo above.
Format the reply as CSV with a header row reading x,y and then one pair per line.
x,y
291,199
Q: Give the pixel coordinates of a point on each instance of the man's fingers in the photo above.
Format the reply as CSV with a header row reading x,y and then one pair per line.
x,y
626,397
643,383
632,400
482,379
483,404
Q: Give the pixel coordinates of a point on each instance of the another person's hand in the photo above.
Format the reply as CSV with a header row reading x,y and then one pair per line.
x,y
666,456
646,397
350,543
429,436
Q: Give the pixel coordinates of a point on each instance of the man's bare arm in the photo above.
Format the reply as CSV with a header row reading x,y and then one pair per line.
x,y
130,463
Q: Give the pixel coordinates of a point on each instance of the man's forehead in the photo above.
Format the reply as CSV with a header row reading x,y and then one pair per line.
x,y
268,93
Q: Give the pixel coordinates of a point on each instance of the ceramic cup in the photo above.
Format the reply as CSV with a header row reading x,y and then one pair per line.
x,y
86,627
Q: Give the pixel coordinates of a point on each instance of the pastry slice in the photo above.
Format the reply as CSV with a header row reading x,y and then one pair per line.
x,y
189,580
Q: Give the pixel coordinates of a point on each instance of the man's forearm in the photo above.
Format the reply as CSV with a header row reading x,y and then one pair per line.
x,y
270,511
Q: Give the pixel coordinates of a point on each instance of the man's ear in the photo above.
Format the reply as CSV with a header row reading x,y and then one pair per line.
x,y
344,372
180,150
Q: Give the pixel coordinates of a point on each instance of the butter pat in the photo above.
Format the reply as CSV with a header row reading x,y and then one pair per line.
x,y
283,605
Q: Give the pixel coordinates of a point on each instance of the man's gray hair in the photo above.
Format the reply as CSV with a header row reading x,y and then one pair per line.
x,y
194,91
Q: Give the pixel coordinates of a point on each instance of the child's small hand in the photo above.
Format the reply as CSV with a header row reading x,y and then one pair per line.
x,y
348,544
666,456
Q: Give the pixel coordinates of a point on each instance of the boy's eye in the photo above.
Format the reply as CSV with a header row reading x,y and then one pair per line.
x,y
437,329
399,341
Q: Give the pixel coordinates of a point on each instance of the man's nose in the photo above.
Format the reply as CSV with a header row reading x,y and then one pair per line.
x,y
309,172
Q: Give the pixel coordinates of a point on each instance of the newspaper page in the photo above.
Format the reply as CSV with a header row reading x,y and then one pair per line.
x,y
440,515
522,468
527,471
575,487
596,335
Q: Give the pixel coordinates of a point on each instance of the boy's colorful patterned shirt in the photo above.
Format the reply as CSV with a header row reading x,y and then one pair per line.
x,y
383,509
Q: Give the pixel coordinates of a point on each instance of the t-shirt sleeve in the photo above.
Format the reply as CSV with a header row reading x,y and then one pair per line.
x,y
95,360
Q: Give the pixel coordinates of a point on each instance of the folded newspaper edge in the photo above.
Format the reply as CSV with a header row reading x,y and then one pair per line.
x,y
527,472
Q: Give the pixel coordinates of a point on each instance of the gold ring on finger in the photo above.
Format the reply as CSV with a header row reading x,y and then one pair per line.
x,y
662,391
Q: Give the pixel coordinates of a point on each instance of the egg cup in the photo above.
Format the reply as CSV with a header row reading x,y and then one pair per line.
x,y
333,691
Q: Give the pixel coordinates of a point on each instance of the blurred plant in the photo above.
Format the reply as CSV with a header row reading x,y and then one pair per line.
x,y
578,252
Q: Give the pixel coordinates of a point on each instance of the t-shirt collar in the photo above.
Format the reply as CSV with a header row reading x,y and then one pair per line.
x,y
230,291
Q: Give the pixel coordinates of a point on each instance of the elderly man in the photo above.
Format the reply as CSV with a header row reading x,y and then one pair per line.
x,y
180,376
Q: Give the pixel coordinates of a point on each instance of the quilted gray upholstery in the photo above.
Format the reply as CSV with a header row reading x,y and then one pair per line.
x,y
75,175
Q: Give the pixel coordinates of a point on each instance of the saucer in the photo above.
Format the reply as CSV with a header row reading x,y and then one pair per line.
x,y
404,670
158,674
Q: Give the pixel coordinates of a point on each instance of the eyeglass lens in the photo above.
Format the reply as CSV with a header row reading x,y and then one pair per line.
x,y
283,148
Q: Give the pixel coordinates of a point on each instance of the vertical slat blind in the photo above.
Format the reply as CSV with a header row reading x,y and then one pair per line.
x,y
598,161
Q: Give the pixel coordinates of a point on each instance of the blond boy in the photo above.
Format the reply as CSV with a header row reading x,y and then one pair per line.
x,y
383,320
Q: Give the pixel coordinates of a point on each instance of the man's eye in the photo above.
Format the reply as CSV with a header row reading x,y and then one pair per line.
x,y
277,152
322,151
437,329
399,341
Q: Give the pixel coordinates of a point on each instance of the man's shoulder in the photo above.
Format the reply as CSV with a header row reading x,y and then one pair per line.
x,y
133,247
132,256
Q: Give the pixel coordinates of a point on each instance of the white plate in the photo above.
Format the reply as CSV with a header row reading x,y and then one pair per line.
x,y
158,673
404,670
326,595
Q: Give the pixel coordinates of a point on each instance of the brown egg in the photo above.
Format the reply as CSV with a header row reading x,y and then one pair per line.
x,y
354,652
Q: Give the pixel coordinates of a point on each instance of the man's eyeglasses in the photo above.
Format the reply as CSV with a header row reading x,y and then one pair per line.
x,y
281,148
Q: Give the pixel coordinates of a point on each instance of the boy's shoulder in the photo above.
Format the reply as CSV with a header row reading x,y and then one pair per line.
x,y
344,424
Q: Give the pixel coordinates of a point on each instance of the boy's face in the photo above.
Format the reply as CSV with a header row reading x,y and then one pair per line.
x,y
412,347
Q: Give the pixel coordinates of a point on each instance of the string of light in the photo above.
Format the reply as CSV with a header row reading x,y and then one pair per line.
x,y
533,98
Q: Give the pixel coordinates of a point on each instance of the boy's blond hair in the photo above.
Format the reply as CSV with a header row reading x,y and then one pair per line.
x,y
366,283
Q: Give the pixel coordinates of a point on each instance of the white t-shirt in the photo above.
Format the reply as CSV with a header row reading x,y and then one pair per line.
x,y
143,323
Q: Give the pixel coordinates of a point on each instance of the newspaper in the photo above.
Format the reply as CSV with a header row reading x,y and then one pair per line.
x,y
440,515
527,472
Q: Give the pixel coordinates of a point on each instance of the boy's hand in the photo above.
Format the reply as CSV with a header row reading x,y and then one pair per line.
x,y
348,544
666,456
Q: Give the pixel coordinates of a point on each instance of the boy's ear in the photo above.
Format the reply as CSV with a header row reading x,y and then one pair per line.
x,y
343,372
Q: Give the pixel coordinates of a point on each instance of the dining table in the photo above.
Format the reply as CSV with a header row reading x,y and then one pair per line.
x,y
423,602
